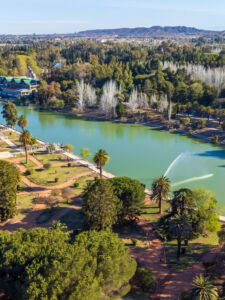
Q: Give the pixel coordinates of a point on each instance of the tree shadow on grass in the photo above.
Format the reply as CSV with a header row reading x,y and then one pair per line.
x,y
73,219
193,253
131,231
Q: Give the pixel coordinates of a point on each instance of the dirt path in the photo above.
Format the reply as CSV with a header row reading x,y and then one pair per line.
x,y
180,281
34,186
152,257
170,283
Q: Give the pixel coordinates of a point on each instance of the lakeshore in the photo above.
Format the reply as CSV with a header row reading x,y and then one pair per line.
x,y
70,156
136,151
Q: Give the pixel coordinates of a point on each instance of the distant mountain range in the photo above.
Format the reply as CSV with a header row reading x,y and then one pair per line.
x,y
155,31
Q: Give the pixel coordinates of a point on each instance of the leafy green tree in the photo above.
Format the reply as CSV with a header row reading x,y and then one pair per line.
x,y
68,148
9,181
26,139
131,193
51,147
22,122
48,264
120,109
100,159
9,113
203,289
84,152
185,121
161,190
100,205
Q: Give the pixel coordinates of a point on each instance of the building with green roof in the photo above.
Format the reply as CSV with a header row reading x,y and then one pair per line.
x,y
18,86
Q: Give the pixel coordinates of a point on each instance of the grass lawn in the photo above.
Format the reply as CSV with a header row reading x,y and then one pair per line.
x,y
25,203
194,250
195,247
63,173
29,164
3,144
82,183
132,233
11,135
52,158
151,211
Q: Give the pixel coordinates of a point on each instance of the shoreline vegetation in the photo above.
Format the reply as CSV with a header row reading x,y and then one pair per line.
x,y
152,118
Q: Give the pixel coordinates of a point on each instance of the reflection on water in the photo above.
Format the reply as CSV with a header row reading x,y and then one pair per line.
x,y
136,151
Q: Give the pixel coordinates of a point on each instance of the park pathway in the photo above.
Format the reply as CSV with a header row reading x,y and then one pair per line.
x,y
170,283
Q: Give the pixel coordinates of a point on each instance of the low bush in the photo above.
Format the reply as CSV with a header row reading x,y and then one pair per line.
x,y
185,121
76,184
145,280
199,124
47,166
215,140
56,179
30,171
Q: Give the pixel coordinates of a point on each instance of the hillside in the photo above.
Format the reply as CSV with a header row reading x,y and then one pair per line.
x,y
155,31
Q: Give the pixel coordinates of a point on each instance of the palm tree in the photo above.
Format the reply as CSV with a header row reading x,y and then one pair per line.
x,y
26,139
22,122
161,190
203,289
100,159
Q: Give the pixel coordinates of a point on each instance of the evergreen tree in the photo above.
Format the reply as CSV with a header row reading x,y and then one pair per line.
x,y
46,264
131,193
9,180
9,113
100,205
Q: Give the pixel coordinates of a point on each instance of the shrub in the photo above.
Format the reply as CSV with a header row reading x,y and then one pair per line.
x,y
56,179
185,121
190,132
145,280
215,140
51,202
47,166
30,171
76,184
199,124
134,241
223,125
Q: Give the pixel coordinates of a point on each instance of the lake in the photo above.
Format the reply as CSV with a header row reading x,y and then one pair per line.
x,y
135,150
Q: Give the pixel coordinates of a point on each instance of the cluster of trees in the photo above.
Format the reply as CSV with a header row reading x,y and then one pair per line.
x,y
52,264
87,66
112,201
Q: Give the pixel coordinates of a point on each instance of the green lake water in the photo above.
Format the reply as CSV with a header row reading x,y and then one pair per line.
x,y
136,151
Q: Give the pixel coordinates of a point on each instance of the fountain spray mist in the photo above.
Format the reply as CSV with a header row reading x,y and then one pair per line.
x,y
192,179
173,163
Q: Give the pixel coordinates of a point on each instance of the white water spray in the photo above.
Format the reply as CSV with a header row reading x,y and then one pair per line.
x,y
192,179
173,163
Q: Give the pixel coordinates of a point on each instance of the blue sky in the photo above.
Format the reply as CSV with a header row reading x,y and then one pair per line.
x,y
67,16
